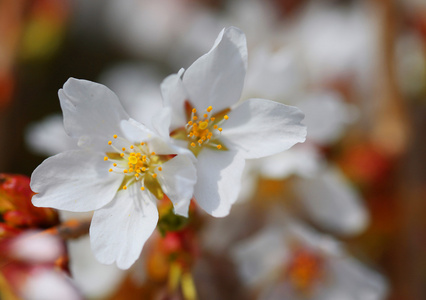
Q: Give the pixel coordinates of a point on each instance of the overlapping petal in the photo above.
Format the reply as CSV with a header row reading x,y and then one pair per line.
x,y
259,128
120,229
75,180
219,180
91,111
216,79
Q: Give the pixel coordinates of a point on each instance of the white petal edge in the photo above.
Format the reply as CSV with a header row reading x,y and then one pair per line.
x,y
177,180
120,229
216,79
332,203
259,127
76,180
219,180
92,112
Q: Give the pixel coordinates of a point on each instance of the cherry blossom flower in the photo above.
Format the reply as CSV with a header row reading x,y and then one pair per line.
x,y
204,116
290,261
120,170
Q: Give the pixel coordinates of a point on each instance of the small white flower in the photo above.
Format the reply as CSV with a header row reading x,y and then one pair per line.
x,y
120,171
222,134
290,261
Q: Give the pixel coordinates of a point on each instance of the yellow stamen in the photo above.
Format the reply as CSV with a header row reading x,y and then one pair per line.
x,y
115,136
131,147
152,153
124,187
154,175
142,143
209,109
219,147
110,170
109,142
114,164
125,171
106,158
194,110
160,169
220,129
142,188
205,115
226,117
192,144
124,149
122,154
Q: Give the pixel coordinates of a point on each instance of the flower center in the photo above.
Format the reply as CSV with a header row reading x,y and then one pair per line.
x,y
306,268
202,129
140,165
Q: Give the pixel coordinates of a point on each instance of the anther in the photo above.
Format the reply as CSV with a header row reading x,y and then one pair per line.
x,y
115,136
209,109
109,142
219,147
154,175
220,129
124,149
106,158
110,170
142,188
152,153
114,164
194,110
194,118
226,117
160,169
142,143
131,147
124,187
205,115
122,154
125,171
192,144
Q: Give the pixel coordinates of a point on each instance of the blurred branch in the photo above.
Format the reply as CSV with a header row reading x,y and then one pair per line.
x,y
70,229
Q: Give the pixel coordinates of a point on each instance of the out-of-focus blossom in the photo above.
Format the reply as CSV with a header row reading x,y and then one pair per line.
x,y
29,267
223,135
120,179
288,261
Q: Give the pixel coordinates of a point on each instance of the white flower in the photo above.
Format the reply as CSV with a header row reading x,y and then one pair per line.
x,y
120,170
222,134
289,261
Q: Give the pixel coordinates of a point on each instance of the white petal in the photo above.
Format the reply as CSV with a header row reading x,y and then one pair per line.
x,y
259,128
219,180
92,112
326,116
48,137
94,280
49,284
260,255
76,180
174,96
357,281
177,180
332,202
120,229
302,160
216,79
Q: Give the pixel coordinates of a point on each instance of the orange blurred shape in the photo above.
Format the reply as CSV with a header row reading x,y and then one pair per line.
x,y
16,208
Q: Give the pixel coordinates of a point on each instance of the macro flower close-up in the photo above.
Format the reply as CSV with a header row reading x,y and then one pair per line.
x,y
120,172
212,149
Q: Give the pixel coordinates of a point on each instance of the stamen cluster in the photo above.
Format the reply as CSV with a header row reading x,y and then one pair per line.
x,y
201,130
136,161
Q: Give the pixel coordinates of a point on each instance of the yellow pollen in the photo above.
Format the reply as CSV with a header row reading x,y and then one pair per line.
x,y
124,171
226,117
136,175
194,110
142,188
110,170
154,175
143,169
133,154
114,164
138,154
138,170
190,123
191,134
200,141
115,136
106,158
109,142
194,118
220,129
215,126
142,143
121,154
124,149
203,138
192,144
205,115
203,125
152,153
219,147
124,187
212,119
131,170
133,159
131,147
160,169
209,109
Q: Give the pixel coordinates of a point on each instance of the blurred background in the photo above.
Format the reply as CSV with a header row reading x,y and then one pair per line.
x,y
357,68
